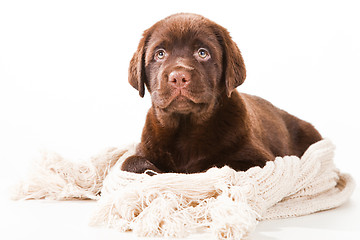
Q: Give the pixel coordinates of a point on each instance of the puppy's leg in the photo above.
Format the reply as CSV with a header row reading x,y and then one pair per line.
x,y
138,164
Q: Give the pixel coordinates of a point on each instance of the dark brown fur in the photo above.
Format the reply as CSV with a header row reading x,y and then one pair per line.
x,y
198,119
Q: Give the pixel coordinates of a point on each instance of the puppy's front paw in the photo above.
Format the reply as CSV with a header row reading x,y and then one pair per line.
x,y
138,164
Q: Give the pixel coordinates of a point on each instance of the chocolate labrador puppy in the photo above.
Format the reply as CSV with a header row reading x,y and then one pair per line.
x,y
198,120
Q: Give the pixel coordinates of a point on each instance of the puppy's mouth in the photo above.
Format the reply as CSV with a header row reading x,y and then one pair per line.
x,y
181,103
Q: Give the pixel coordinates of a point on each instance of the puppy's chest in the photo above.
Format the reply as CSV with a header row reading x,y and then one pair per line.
x,y
190,155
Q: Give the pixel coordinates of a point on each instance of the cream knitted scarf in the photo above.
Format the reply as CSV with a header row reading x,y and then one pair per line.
x,y
227,202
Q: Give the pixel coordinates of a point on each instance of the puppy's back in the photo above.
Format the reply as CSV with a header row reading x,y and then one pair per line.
x,y
280,132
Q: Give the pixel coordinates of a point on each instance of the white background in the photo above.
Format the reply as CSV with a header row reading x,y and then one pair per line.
x,y
63,87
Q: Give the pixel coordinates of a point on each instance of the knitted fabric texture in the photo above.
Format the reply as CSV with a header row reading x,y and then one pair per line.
x,y
227,202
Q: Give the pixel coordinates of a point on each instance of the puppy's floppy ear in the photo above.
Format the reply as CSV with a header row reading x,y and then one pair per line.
x,y
234,71
137,76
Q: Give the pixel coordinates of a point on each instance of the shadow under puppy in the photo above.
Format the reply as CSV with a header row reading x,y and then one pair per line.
x,y
198,120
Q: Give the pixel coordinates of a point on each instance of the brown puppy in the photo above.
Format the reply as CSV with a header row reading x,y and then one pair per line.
x,y
198,120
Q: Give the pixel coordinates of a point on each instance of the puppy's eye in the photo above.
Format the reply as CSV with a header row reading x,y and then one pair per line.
x,y
160,54
203,54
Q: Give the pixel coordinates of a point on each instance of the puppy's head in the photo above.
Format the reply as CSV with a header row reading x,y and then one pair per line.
x,y
186,62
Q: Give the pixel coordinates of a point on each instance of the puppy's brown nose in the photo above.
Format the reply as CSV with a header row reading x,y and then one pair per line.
x,y
179,78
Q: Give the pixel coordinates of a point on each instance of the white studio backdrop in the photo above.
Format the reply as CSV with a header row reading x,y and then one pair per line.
x,y
63,70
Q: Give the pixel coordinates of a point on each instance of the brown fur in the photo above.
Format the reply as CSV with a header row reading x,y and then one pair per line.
x,y
198,119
